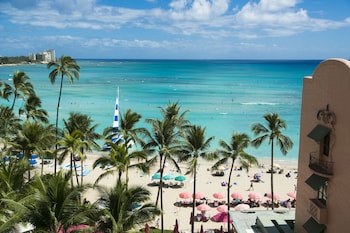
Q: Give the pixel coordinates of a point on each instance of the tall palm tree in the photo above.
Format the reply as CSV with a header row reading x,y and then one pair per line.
x,y
119,161
233,150
32,109
273,133
65,67
196,146
124,208
83,123
164,141
56,205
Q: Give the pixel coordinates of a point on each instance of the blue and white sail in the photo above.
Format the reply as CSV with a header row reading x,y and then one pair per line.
x,y
116,114
117,137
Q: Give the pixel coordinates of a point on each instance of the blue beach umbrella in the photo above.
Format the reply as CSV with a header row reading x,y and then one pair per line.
x,y
32,161
168,177
34,156
156,176
180,178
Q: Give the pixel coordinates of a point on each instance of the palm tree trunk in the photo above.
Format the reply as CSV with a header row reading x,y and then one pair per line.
x,y
161,196
57,111
272,193
194,198
14,100
160,188
228,195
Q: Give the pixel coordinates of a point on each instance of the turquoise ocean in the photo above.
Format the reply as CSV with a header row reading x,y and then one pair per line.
x,y
224,96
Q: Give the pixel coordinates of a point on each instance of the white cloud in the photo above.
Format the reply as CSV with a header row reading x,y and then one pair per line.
x,y
205,18
197,9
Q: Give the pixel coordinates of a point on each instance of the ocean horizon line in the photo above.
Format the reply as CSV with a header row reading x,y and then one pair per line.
x,y
202,59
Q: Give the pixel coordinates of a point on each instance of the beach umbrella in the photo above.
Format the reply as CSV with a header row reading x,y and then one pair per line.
x,y
198,195
254,196
180,178
219,195
276,196
237,196
156,176
241,207
34,156
146,228
221,168
221,217
292,195
222,208
32,161
168,177
185,195
203,207
176,227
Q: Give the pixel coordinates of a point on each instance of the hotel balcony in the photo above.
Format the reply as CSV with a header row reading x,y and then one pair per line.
x,y
318,211
320,166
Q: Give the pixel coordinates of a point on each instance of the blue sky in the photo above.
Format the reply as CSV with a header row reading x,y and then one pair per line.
x,y
177,29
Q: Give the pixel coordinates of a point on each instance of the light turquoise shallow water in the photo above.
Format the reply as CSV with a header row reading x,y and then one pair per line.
x,y
224,96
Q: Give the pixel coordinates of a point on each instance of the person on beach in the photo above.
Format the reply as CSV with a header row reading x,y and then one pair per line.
x,y
251,188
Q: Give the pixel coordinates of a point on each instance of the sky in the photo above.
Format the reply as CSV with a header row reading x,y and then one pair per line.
x,y
177,29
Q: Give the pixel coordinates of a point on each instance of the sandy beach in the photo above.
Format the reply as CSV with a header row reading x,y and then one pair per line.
x,y
206,183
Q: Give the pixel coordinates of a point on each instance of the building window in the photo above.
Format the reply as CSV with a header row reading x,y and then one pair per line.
x,y
322,193
325,144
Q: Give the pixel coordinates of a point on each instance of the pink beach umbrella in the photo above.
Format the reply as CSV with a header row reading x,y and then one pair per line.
x,y
221,217
241,207
292,195
185,195
203,207
237,196
222,208
73,228
198,195
219,195
276,196
254,196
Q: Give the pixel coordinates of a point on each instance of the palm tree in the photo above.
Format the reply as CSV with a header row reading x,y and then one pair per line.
x,y
124,208
164,140
12,183
233,150
56,205
21,87
196,146
83,123
68,67
32,109
119,161
73,144
34,136
9,125
273,133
